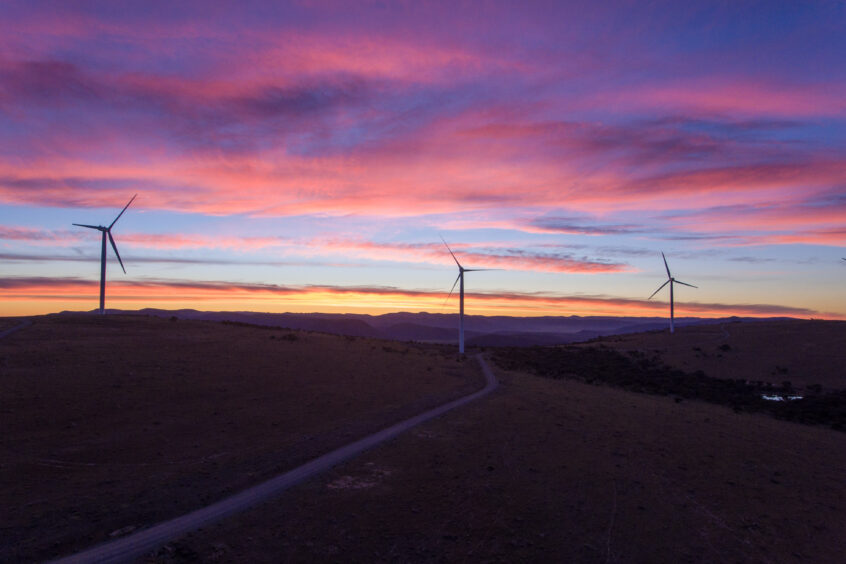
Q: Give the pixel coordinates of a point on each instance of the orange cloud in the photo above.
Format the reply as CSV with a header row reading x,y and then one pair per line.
x,y
272,297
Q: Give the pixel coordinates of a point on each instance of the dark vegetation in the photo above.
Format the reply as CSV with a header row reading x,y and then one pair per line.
x,y
639,372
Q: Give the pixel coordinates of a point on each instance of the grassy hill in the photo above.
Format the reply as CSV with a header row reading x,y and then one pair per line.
x,y
548,470
115,423
803,352
118,422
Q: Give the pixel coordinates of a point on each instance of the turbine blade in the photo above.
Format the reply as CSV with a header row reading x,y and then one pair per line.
x,y
665,265
659,289
97,227
480,269
685,284
452,289
450,252
117,254
123,210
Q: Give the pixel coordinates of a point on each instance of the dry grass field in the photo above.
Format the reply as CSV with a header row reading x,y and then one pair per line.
x,y
116,423
729,364
560,471
121,422
8,323
799,351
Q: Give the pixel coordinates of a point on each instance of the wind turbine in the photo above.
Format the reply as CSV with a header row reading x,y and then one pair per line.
x,y
670,281
461,271
106,231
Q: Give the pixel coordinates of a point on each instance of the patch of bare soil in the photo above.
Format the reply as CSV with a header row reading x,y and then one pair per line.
x,y
111,424
805,353
561,471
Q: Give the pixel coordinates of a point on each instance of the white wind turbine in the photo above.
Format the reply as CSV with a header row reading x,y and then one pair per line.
x,y
461,271
106,231
670,281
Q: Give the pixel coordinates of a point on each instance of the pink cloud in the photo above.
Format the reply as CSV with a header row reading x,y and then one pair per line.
x,y
480,255
285,120
834,237
28,234
144,240
470,257
733,95
170,241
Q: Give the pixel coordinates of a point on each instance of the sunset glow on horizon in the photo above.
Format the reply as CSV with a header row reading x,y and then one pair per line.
x,y
308,156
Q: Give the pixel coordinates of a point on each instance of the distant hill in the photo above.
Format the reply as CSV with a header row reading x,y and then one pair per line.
x,y
418,332
528,339
325,323
480,330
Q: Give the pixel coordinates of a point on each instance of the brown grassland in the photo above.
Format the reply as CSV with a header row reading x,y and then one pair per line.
x,y
544,469
116,423
8,323
803,352
738,365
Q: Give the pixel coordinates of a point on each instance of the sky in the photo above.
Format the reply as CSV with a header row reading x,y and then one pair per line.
x,y
309,156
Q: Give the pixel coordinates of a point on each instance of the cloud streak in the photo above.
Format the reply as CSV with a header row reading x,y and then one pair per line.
x,y
166,290
421,253
144,240
482,257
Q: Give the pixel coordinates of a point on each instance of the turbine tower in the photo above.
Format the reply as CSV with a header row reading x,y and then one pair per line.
x,y
106,231
461,271
670,281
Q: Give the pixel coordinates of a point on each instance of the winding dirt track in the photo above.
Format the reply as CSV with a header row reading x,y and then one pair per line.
x,y
138,544
21,325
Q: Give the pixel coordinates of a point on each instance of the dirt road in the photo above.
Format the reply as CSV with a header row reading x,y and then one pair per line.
x,y
143,542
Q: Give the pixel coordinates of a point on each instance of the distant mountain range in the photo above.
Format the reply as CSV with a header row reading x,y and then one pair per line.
x,y
443,328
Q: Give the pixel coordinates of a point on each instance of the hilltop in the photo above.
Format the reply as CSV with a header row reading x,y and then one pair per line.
x,y
480,330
